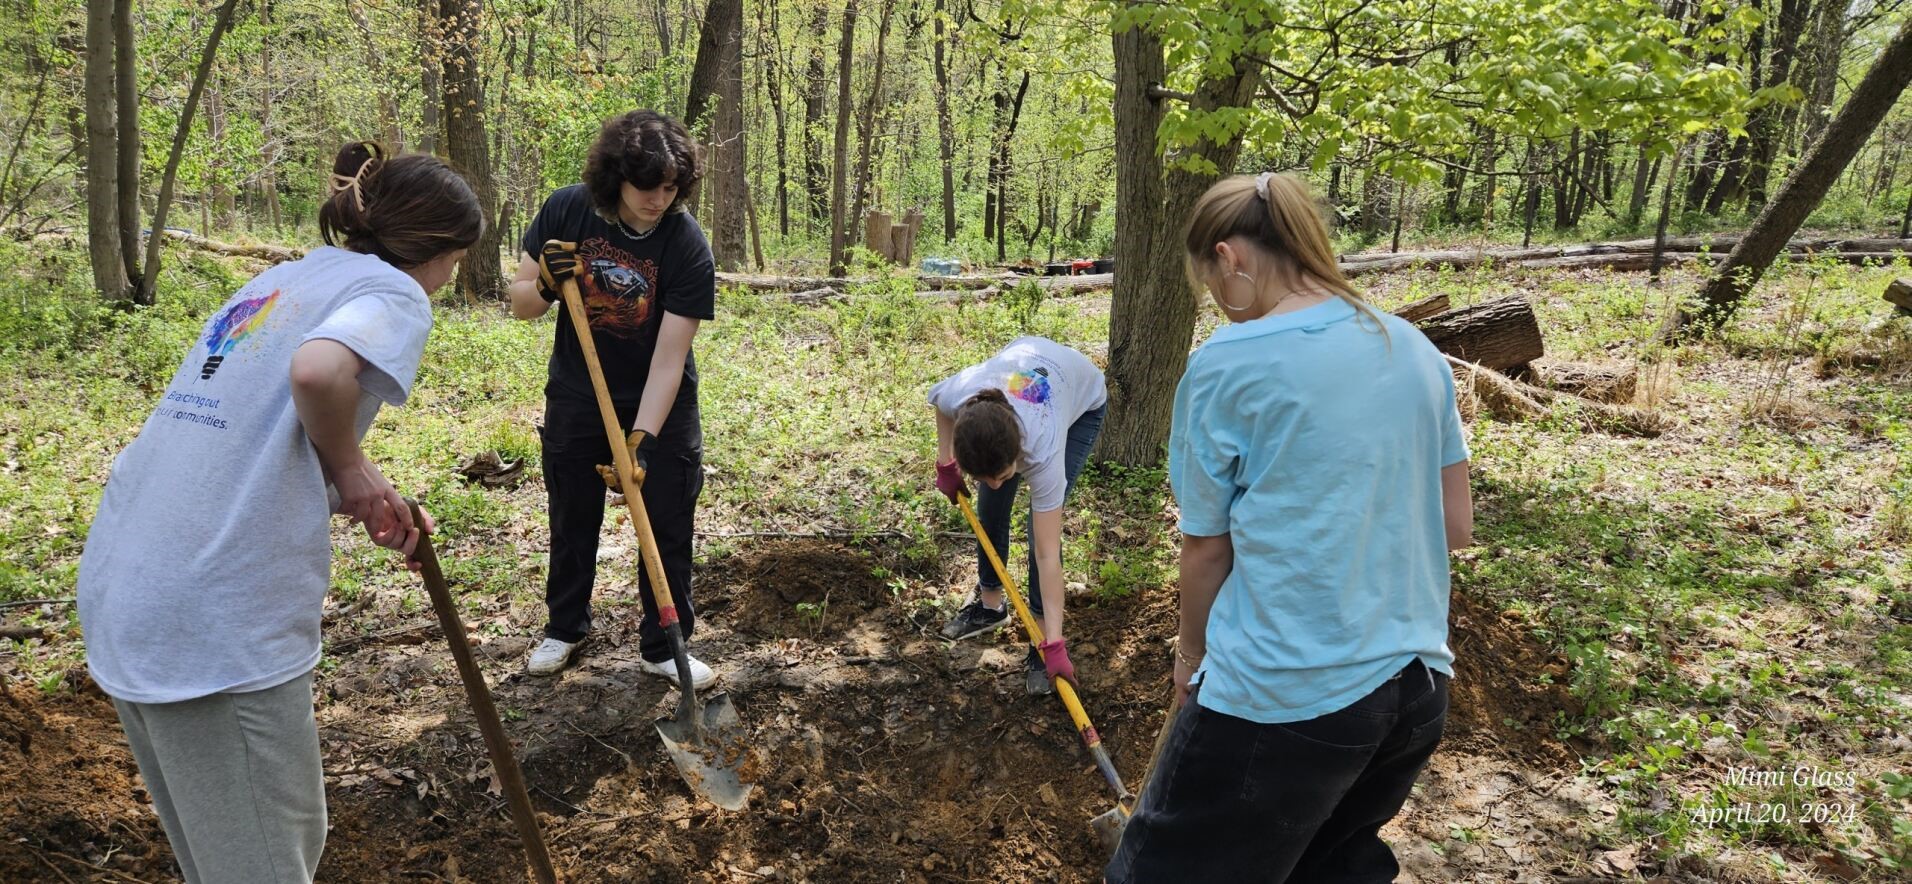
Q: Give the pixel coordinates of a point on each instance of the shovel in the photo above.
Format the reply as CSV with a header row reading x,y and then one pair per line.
x,y
509,778
705,739
1108,826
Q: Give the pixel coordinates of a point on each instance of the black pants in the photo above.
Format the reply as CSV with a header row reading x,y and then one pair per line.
x,y
574,446
1303,801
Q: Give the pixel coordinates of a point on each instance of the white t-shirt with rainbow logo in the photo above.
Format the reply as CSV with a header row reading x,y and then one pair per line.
x,y
1050,386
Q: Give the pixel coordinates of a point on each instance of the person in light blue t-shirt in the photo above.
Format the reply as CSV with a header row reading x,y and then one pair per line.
x,y
1319,463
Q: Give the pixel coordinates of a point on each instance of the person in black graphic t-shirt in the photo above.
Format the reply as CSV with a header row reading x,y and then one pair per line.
x,y
645,273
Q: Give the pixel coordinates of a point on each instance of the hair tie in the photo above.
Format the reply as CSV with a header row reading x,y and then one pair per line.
x,y
1261,185
352,182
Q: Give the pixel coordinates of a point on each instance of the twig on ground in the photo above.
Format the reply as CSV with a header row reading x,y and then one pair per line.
x,y
28,603
354,642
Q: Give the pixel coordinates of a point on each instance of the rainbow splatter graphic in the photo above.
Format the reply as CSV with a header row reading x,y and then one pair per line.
x,y
1029,386
234,324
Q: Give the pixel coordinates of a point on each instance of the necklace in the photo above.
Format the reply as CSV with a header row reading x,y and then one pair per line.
x,y
627,231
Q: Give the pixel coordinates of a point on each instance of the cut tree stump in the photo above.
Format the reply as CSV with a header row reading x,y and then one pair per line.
x,y
1899,293
1424,309
1609,382
1501,334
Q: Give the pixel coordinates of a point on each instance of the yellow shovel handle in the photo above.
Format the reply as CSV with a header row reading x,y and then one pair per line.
x,y
1029,624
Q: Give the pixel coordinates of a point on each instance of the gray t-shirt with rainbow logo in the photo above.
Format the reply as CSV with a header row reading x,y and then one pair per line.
x,y
206,567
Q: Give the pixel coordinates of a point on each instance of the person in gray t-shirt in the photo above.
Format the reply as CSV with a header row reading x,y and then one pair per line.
x,y
205,570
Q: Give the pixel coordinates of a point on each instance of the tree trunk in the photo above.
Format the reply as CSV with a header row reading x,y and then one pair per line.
x,y
1501,334
816,175
479,275
1666,211
1905,224
945,134
713,106
866,125
149,280
1765,127
1871,100
126,71
431,60
773,85
102,156
1636,199
269,149
1002,169
1828,46
1152,313
839,179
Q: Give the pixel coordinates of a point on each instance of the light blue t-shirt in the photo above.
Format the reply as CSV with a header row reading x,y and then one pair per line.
x,y
1316,443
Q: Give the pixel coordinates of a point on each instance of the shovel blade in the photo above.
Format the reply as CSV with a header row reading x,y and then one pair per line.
x,y
1108,827
712,754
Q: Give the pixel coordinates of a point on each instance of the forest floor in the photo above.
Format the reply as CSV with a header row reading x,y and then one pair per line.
x,y
1641,615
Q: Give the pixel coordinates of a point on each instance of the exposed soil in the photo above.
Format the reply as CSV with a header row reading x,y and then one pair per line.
x,y
887,754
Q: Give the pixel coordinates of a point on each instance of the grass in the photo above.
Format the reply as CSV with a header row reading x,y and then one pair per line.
x,y
1732,594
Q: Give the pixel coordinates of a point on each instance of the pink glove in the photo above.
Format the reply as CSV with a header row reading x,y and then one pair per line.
x,y
1055,660
949,480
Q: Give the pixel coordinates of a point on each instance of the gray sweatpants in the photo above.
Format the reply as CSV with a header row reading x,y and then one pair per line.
x,y
235,780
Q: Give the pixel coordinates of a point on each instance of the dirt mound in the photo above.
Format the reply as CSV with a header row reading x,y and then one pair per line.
x,y
1508,688
794,588
73,796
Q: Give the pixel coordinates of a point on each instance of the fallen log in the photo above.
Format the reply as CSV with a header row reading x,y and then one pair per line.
x,y
1426,308
1624,255
1501,334
1482,389
264,252
1899,293
1598,381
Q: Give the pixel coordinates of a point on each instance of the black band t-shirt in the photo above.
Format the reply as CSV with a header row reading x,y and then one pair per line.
x,y
627,284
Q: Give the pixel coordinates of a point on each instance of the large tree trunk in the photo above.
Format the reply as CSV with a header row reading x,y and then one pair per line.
x,y
126,88
1804,188
945,134
816,175
713,106
839,179
1001,167
1152,312
102,156
149,280
479,275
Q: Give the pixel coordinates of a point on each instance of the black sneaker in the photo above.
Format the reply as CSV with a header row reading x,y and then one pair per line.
x,y
1035,678
974,619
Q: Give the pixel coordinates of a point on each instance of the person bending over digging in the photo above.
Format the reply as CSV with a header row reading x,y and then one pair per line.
x,y
204,573
1032,410
1318,460
644,271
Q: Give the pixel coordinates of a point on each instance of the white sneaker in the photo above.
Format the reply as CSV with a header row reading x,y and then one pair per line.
x,y
701,676
549,656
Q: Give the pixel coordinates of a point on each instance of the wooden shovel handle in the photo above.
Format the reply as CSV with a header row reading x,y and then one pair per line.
x,y
621,456
496,744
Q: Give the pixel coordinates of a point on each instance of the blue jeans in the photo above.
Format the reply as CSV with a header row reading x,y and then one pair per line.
x,y
995,505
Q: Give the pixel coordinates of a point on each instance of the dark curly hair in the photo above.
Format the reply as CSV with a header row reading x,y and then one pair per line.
x,y
988,436
647,149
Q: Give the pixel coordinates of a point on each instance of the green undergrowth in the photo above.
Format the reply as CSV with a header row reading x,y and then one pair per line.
x,y
1730,594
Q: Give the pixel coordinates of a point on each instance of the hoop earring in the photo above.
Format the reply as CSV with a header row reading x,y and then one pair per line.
x,y
1251,300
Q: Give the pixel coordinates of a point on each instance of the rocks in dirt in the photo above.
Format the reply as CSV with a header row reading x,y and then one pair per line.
x,y
505,647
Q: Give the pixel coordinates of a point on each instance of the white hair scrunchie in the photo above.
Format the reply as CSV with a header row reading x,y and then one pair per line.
x,y
1261,185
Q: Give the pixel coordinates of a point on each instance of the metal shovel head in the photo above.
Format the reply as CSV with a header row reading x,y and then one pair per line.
x,y
1108,827
712,754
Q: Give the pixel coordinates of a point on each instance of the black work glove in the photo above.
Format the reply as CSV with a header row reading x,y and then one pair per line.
x,y
557,262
